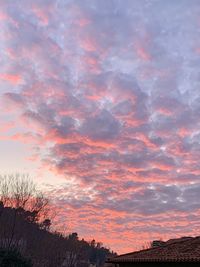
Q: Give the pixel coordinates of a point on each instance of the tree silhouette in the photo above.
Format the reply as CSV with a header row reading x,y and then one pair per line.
x,y
12,258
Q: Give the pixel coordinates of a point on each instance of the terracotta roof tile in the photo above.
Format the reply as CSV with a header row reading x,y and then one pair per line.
x,y
182,249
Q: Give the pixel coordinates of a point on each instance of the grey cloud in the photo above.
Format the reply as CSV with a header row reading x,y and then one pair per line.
x,y
14,97
102,126
123,108
159,199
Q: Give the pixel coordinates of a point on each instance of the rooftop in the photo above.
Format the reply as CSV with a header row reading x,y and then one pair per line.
x,y
173,250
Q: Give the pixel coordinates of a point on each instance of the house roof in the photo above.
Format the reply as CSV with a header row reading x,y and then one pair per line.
x,y
174,250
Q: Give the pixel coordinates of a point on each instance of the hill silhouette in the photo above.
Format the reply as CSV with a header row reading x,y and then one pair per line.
x,y
26,237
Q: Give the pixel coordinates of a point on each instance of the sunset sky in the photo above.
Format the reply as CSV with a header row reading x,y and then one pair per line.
x,y
100,104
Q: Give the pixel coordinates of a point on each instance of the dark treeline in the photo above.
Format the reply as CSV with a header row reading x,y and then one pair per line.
x,y
26,238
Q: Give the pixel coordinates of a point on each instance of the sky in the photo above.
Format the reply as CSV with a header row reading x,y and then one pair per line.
x,y
100,104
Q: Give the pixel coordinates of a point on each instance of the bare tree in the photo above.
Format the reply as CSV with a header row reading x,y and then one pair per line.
x,y
19,192
4,189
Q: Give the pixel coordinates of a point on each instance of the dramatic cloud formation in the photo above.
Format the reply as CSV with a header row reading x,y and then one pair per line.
x,y
106,94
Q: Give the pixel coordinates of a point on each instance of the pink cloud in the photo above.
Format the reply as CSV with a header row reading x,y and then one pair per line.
x,y
41,15
89,44
3,16
14,79
111,98
142,53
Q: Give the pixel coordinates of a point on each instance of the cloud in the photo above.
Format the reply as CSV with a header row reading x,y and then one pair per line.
x,y
103,126
107,92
